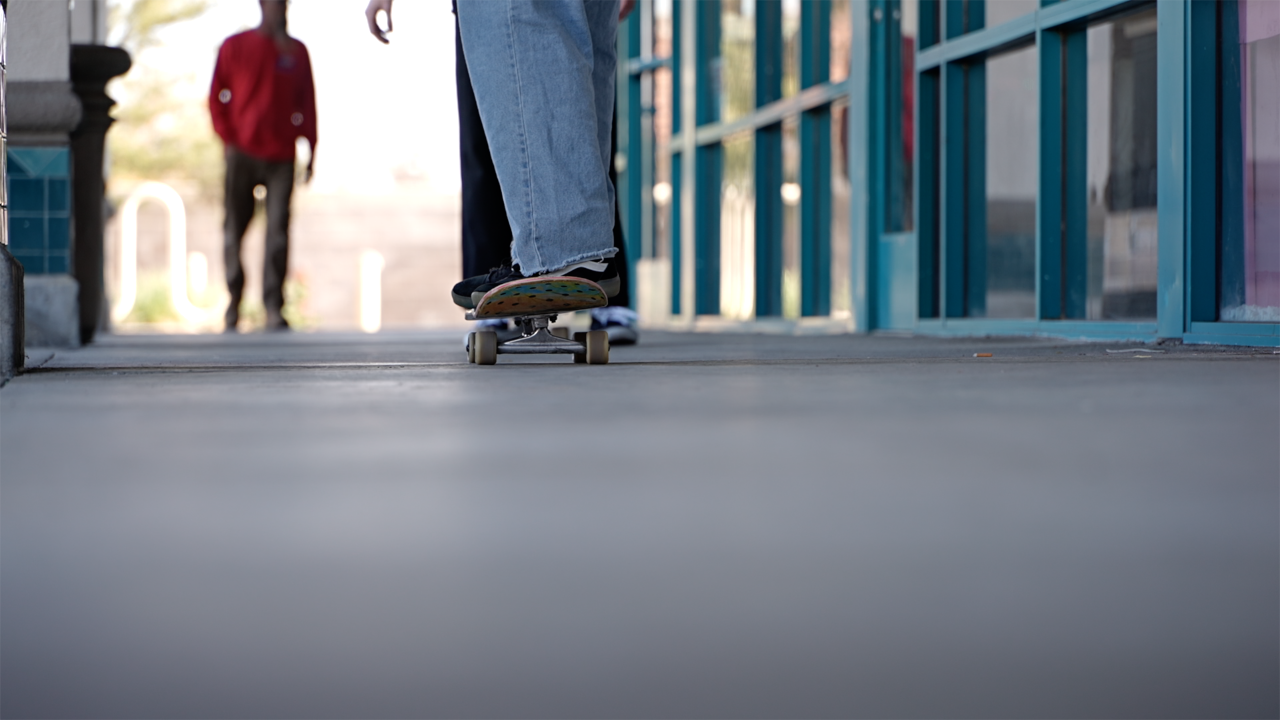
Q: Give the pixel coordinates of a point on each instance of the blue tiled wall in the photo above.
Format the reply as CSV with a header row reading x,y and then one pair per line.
x,y
40,208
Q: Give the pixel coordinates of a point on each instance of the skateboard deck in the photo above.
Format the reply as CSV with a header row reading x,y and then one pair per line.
x,y
534,303
540,296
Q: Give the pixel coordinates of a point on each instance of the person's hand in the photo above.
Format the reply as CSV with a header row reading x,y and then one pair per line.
x,y
624,9
371,14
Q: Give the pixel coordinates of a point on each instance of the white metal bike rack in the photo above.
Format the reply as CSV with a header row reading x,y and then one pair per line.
x,y
172,202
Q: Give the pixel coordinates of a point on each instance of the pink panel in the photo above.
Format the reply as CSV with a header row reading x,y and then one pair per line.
x,y
1261,19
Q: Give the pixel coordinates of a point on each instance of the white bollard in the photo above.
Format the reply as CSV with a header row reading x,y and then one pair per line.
x,y
371,265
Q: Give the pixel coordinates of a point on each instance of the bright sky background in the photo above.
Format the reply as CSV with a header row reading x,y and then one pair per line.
x,y
379,107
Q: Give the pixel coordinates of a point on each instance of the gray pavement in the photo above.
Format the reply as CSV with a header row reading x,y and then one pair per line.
x,y
711,526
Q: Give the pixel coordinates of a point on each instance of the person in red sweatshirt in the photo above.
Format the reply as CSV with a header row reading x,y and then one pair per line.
x,y
262,100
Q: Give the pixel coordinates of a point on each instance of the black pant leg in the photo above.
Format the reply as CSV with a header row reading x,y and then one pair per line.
x,y
623,298
486,234
275,261
238,205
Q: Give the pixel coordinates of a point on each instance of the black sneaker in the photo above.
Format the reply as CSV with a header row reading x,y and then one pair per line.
x,y
463,291
600,271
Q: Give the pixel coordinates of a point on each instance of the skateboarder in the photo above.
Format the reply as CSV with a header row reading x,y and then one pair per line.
x,y
261,101
543,75
486,234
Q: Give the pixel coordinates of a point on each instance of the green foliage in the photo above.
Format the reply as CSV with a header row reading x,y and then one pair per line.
x,y
253,316
295,303
159,135
135,24
152,303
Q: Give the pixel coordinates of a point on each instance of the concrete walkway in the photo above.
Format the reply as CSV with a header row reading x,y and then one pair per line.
x,y
710,526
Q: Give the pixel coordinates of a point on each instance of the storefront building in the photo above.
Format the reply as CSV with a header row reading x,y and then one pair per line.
x,y
1078,168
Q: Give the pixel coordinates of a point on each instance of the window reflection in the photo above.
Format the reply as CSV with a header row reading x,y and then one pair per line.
x,y
737,227
841,39
790,47
901,125
1121,169
1012,116
841,197
737,58
662,118
999,11
792,192
1249,270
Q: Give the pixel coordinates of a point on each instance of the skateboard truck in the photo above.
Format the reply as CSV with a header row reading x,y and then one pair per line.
x,y
536,338
533,304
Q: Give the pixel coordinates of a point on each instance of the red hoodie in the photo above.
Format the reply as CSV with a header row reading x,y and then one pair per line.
x,y
263,99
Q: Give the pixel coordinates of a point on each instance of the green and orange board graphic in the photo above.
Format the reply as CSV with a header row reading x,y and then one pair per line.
x,y
540,296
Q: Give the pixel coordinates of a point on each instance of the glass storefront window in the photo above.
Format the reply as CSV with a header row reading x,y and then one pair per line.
x,y
791,192
900,212
737,58
841,197
1122,226
1249,263
1012,139
999,11
737,227
662,188
790,47
841,39
662,126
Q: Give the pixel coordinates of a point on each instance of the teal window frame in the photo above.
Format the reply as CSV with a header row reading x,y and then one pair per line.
x,y
696,156
952,40
1205,184
952,186
1188,185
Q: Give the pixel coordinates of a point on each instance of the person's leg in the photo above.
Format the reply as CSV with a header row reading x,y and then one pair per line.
x,y
602,22
238,206
537,68
486,234
623,298
275,262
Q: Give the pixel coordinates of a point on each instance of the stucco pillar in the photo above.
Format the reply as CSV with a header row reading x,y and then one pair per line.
x,y
11,293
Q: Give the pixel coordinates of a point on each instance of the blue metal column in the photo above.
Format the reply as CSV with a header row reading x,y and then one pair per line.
x,y
768,162
1075,201
1049,203
815,163
928,183
708,166
1204,167
629,160
1171,142
860,181
928,167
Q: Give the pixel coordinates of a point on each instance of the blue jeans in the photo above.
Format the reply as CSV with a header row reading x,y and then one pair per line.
x,y
543,74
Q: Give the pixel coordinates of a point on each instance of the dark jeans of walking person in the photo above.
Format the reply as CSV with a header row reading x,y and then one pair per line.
x,y
244,173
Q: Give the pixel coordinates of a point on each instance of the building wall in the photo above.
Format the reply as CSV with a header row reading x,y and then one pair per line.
x,y
40,44
42,110
89,22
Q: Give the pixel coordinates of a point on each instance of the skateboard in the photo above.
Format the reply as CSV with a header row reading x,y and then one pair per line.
x,y
534,303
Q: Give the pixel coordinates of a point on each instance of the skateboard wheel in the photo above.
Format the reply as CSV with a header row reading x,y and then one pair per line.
x,y
485,346
471,347
597,347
